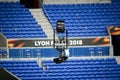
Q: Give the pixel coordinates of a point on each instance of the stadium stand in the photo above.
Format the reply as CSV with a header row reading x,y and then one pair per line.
x,y
16,21
25,69
84,20
85,69
73,69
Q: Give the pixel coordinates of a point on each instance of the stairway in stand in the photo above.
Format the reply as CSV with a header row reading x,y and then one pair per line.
x,y
43,21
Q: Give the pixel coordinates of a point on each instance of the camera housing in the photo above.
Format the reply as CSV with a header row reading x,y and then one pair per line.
x,y
60,27
60,60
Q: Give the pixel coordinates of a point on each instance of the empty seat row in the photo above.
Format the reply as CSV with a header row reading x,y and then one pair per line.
x,y
19,18
85,15
82,72
30,70
25,36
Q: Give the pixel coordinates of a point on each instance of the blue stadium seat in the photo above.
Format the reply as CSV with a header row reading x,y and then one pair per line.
x,y
17,15
73,70
80,15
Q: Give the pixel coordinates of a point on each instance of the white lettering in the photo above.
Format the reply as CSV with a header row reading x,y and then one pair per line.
x,y
75,42
42,43
35,43
51,43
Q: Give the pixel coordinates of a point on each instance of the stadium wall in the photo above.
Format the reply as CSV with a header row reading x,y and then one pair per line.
x,y
51,52
9,0
74,1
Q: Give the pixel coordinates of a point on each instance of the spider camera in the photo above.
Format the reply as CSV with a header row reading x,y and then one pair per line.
x,y
62,43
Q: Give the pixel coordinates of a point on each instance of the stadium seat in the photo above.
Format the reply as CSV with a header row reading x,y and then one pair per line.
x,y
92,69
83,15
15,14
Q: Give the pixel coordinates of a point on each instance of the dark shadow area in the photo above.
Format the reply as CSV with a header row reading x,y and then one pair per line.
x,y
116,44
5,75
31,3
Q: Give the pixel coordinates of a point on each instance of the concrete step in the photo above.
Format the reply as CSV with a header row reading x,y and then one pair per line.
x,y
118,59
43,21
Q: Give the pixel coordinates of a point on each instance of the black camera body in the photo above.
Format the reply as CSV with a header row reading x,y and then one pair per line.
x,y
60,27
60,59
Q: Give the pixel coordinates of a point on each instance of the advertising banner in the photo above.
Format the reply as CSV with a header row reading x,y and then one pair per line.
x,y
114,30
99,41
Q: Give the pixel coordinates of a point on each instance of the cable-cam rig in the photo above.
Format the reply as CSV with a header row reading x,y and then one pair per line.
x,y
61,43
